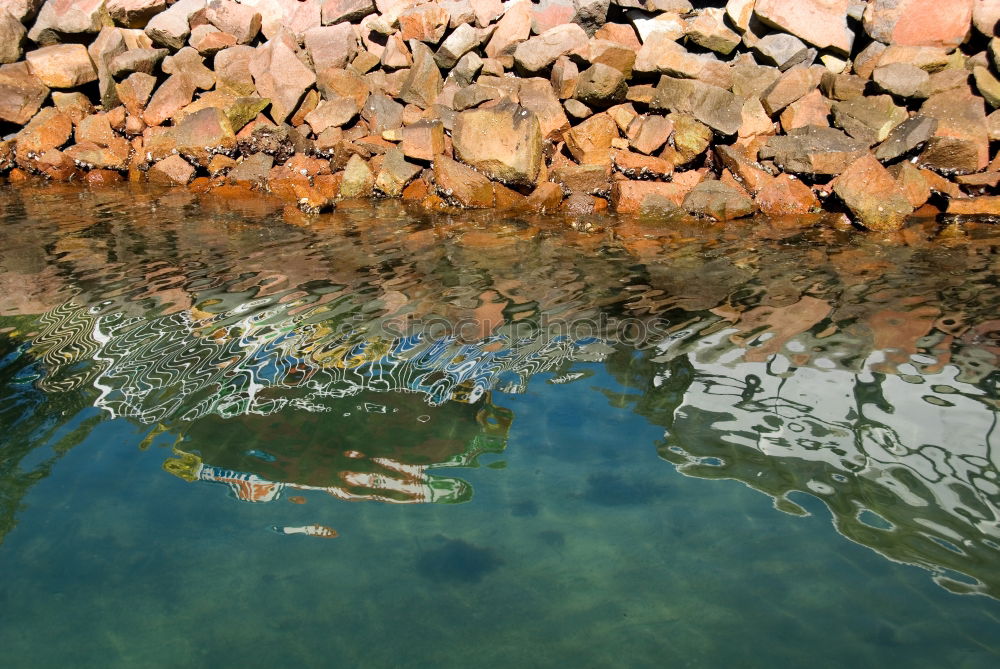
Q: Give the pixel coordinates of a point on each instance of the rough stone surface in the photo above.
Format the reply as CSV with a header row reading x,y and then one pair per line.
x,y
461,185
59,18
601,85
134,13
503,142
907,136
21,93
939,23
784,195
868,119
280,76
814,150
171,28
232,70
872,195
331,46
718,200
423,83
172,171
12,35
714,106
240,21
170,97
590,141
395,173
62,65
822,23
540,52
961,141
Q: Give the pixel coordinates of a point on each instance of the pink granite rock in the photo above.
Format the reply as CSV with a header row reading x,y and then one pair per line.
x,y
279,75
67,17
938,23
331,46
822,23
62,65
240,21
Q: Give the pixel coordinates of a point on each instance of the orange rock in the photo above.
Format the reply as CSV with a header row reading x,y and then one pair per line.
x,y
984,205
872,195
637,166
172,170
939,23
627,196
503,142
784,195
422,140
811,109
462,185
506,199
547,196
590,141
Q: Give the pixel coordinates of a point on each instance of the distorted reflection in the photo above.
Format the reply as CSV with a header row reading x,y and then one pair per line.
x,y
361,353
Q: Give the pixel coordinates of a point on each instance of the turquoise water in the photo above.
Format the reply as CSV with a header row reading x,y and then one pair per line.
x,y
700,446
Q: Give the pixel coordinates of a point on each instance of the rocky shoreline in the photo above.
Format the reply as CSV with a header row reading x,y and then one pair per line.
x,y
880,111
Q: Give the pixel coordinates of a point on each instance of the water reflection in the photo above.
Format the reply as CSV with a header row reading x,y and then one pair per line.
x,y
362,353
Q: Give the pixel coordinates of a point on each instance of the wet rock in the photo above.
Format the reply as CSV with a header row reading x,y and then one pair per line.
x,y
790,86
708,29
872,195
511,30
173,95
822,23
503,142
113,156
984,205
540,52
280,76
785,195
171,28
136,60
252,171
358,179
21,93
637,166
601,85
546,197
423,83
12,35
907,136
62,65
718,200
60,18
134,13
461,185
715,107
197,136
172,171
902,79
868,119
189,63
395,173
241,21
939,23
814,150
631,197
961,141
335,11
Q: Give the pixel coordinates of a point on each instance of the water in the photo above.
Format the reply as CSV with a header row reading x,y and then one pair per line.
x,y
236,435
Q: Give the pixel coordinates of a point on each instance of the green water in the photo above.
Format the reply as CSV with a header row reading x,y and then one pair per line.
x,y
701,446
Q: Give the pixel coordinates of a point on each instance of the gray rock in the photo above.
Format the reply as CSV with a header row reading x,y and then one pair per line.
x,y
906,137
813,150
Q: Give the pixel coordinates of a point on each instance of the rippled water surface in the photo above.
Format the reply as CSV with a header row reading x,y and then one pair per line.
x,y
232,435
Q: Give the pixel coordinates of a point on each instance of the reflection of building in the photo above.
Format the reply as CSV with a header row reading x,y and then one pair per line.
x,y
906,464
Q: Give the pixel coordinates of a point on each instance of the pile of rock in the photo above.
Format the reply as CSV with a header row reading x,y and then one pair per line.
x,y
781,107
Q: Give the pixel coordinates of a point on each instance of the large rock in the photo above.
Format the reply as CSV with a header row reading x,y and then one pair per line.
x,y
49,129
22,10
280,76
134,13
503,142
868,119
715,107
461,185
423,140
536,95
633,197
907,136
961,141
171,28
232,70
240,21
171,171
822,23
331,113
985,15
12,34
511,30
60,18
789,87
172,95
784,195
197,137
423,83
62,65
395,173
426,22
902,79
814,150
590,141
939,23
601,85
21,93
134,92
137,60
382,113
660,53
539,52
872,195
709,30
189,63
462,39
335,11
331,46
718,200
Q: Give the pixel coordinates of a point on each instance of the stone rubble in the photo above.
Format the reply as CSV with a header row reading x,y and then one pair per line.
x,y
666,109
